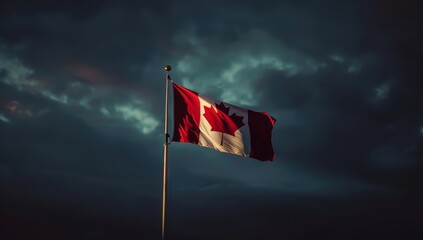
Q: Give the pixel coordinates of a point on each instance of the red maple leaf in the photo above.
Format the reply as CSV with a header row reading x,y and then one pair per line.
x,y
220,121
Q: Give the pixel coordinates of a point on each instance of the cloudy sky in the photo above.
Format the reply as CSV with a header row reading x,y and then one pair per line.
x,y
82,109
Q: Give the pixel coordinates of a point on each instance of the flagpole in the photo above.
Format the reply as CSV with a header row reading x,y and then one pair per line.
x,y
166,143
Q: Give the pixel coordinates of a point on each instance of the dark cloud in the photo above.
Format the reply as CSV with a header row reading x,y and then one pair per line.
x,y
81,106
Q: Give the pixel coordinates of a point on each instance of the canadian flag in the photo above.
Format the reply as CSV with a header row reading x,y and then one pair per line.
x,y
227,128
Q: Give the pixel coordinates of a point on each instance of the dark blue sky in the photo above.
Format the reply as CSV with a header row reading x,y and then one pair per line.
x,y
81,119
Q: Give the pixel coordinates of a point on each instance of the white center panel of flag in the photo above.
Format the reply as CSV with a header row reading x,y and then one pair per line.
x,y
224,142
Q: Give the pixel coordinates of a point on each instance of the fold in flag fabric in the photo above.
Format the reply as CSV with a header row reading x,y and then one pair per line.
x,y
221,126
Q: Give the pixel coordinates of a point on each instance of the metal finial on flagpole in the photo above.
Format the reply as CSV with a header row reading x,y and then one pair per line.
x,y
166,143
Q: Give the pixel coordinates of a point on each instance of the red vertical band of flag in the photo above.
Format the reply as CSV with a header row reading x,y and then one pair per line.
x,y
261,125
186,114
